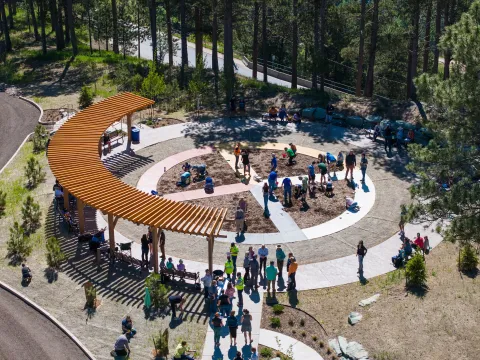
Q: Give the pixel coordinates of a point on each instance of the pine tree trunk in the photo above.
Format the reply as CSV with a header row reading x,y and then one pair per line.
x,y
448,53
34,20
90,30
67,24
55,26
168,14
198,34
264,41
115,27
228,50
71,24
294,43
358,87
316,43
215,46
42,25
414,51
59,34
256,14
10,14
153,30
138,30
446,22
438,32
426,45
323,26
6,31
373,50
183,30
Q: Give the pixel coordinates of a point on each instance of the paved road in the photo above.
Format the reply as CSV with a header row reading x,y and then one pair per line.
x,y
26,334
17,119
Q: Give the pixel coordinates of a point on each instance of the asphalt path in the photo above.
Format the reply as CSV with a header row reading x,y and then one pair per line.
x,y
27,334
17,119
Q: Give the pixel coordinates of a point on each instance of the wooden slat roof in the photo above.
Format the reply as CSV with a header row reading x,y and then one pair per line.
x,y
74,160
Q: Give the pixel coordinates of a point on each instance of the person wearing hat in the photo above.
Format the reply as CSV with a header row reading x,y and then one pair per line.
x,y
234,253
273,163
181,265
280,255
229,267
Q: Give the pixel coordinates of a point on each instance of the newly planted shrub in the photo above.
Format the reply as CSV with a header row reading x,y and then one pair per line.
x,y
290,322
304,333
40,137
322,344
54,253
86,97
416,271
31,215
34,172
302,322
314,338
266,352
3,203
160,343
275,322
158,291
468,260
278,309
19,246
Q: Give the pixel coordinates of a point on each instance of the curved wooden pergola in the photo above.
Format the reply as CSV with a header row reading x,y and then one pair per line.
x,y
74,155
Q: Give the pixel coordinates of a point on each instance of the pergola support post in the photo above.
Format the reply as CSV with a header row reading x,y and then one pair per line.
x,y
210,253
111,232
155,249
100,150
66,202
129,127
81,216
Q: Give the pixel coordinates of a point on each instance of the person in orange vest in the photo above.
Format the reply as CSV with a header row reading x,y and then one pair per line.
x,y
292,271
236,152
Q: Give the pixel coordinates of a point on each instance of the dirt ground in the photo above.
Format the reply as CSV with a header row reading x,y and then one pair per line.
x,y
256,222
441,323
217,168
319,208
291,320
260,160
51,116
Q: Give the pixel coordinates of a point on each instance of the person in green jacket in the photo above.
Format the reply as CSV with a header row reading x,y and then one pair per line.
x,y
229,267
234,253
232,324
291,155
271,278
280,254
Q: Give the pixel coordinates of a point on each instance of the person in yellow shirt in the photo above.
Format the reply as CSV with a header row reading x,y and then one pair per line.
x,y
236,152
234,253
181,352
229,267
292,270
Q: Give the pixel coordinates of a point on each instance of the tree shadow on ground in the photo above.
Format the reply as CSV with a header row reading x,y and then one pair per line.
x,y
119,282
472,274
418,291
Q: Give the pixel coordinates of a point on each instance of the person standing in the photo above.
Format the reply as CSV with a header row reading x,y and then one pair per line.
x,y
254,268
234,254
217,328
232,324
236,152
361,252
271,278
246,162
223,303
280,255
145,251
228,269
263,253
246,322
311,173
212,295
161,243
272,181
329,116
207,282
287,190
239,220
292,271
363,166
266,194
323,171
388,138
246,266
273,163
239,285
243,205
351,162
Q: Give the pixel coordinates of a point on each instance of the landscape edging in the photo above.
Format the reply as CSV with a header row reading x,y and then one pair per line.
x,y
45,313
37,106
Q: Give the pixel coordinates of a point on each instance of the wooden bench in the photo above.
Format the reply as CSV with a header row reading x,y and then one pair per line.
x,y
180,274
118,136
118,255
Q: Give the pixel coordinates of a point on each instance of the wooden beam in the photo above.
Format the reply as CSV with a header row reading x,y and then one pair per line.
x,y
129,127
155,249
66,203
210,253
111,232
115,220
81,216
100,148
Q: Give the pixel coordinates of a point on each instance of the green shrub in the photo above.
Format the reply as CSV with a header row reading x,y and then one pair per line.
x,y
322,344
275,322
3,202
314,338
160,343
266,352
19,246
40,137
86,97
54,253
302,322
34,172
158,291
290,322
415,271
468,260
91,297
31,215
278,309
304,333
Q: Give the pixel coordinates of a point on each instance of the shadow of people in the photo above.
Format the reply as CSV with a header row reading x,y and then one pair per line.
x,y
240,238
232,352
365,188
363,280
217,354
272,198
247,352
255,296
293,298
281,284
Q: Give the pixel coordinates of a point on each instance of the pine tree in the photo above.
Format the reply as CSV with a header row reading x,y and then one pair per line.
x,y
31,215
19,246
54,253
34,172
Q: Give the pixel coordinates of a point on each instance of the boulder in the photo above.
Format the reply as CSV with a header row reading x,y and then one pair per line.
x,y
343,343
369,301
355,351
335,346
354,317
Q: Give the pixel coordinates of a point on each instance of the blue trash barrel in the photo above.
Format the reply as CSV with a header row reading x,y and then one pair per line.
x,y
135,134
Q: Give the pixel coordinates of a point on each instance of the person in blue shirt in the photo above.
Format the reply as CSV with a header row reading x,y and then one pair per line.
x,y
311,172
127,327
287,190
273,163
272,181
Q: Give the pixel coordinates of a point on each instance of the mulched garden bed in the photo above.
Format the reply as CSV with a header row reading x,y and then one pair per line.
x,y
298,325
320,208
260,160
217,168
51,116
256,222
160,122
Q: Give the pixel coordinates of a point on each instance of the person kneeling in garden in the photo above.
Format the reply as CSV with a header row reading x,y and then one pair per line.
x,y
291,155
181,352
127,327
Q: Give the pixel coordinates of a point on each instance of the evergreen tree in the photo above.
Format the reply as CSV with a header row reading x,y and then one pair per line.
x,y
19,246
31,215
34,172
54,253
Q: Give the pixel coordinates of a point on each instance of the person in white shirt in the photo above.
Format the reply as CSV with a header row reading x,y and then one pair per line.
x,y
263,253
254,354
350,204
207,282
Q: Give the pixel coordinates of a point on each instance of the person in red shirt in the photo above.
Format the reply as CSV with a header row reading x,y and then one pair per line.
x,y
419,242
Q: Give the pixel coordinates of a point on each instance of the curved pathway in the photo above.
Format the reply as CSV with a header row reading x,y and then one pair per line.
x,y
18,118
27,334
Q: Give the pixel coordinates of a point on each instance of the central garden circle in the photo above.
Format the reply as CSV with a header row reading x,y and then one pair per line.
x,y
318,216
